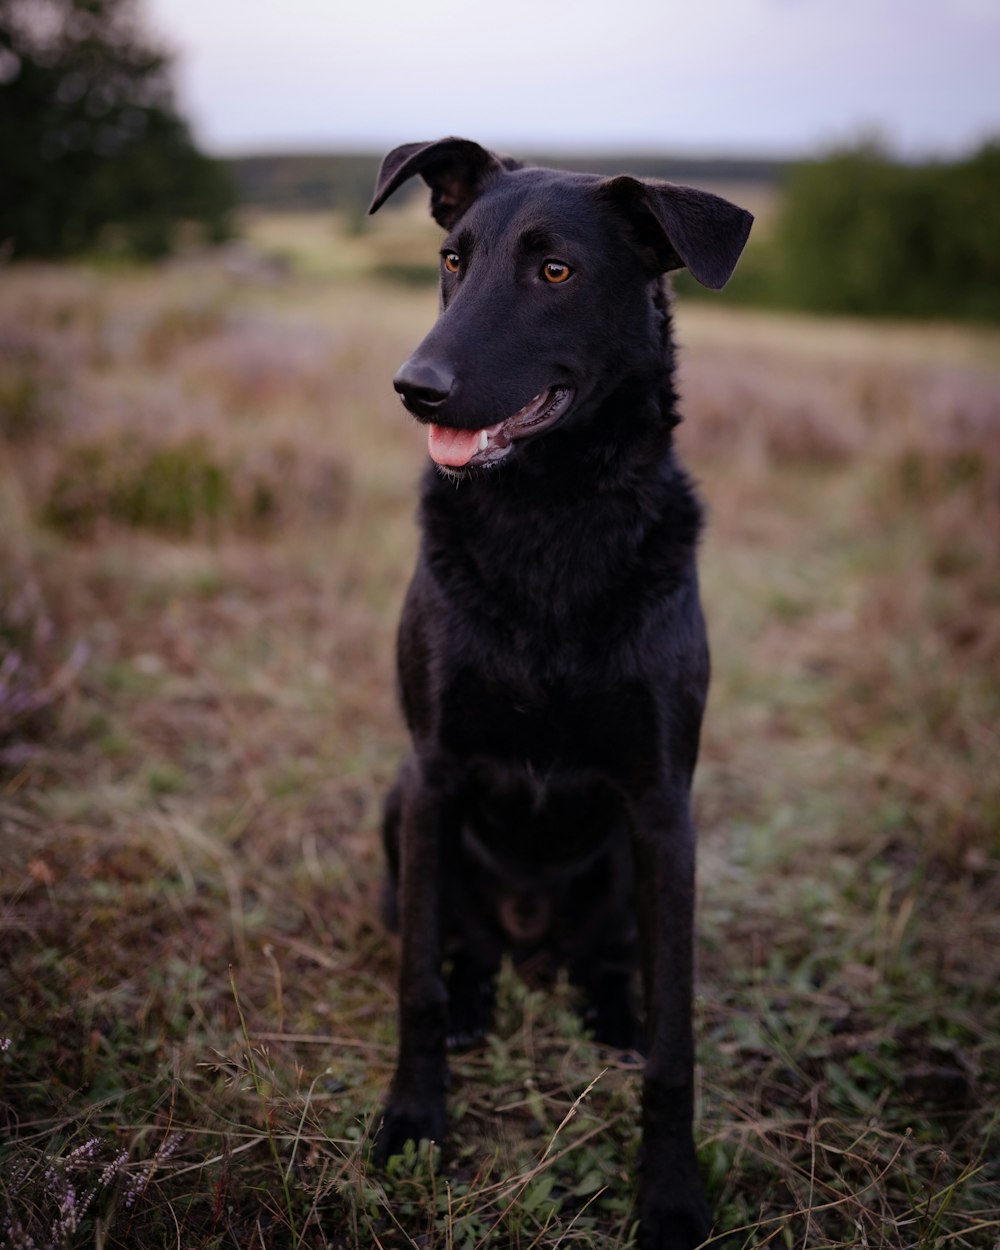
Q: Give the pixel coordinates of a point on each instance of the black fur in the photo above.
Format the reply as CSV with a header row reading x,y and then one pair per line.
x,y
553,663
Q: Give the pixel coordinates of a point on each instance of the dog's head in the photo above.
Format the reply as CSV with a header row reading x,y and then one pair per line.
x,y
548,291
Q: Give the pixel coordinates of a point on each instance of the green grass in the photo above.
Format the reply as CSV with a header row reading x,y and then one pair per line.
x,y
197,723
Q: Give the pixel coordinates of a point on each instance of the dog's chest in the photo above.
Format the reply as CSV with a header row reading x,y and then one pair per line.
x,y
559,725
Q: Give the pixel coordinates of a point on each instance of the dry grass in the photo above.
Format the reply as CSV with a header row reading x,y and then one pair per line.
x,y
197,723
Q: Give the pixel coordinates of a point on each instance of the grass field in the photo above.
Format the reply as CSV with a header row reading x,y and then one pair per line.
x,y
206,501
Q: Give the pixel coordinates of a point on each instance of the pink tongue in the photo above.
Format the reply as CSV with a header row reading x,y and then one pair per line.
x,y
451,447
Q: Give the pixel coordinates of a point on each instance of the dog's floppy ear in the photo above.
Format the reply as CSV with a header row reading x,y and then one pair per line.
x,y
454,169
682,227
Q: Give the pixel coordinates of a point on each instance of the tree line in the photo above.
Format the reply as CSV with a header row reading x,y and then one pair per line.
x,y
855,232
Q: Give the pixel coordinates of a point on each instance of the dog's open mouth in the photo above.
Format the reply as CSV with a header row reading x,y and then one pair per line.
x,y
457,449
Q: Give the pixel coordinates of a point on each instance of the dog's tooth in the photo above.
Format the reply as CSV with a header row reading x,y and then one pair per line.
x,y
484,438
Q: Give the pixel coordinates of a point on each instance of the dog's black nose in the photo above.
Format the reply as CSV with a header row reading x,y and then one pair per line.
x,y
423,385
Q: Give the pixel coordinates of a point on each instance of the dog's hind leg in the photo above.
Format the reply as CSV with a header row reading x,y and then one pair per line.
x,y
609,1006
471,997
603,961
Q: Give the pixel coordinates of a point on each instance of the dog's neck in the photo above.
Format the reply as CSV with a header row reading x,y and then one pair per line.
x,y
568,543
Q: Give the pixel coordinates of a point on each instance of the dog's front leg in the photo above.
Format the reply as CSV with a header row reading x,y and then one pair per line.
x,y
415,1109
673,1212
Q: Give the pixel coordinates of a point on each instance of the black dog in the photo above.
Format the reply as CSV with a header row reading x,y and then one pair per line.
x,y
553,663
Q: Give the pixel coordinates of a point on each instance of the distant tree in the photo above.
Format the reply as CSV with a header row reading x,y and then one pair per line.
x,y
862,233
92,147
969,247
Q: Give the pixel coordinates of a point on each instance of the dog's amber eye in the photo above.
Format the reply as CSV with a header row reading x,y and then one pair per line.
x,y
556,271
452,260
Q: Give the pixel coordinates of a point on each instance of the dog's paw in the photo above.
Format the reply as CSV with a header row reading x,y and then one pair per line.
x,y
684,1223
471,994
469,1018
460,1039
612,1018
619,1031
403,1122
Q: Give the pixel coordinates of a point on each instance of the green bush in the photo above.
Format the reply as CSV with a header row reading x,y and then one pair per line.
x,y
861,233
175,489
187,488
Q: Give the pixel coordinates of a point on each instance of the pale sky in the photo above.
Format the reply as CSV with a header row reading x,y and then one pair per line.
x,y
780,77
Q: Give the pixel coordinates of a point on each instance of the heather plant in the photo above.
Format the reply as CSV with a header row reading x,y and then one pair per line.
x,y
57,1200
35,671
28,404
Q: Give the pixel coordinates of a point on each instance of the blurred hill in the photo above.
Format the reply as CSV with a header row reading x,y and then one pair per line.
x,y
343,181
855,231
